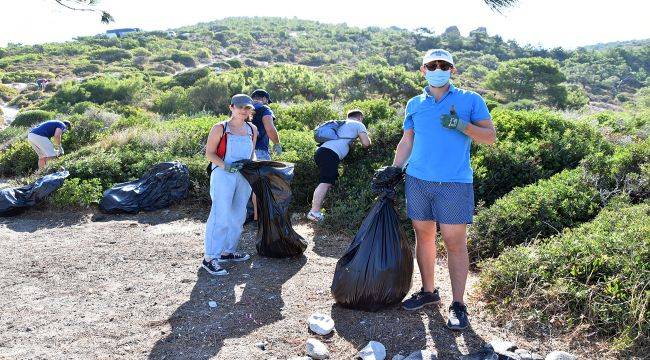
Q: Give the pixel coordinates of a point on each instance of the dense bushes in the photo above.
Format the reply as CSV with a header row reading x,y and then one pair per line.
x,y
566,199
188,78
530,146
25,76
7,92
110,54
76,192
534,211
19,159
99,90
597,274
32,117
174,101
304,116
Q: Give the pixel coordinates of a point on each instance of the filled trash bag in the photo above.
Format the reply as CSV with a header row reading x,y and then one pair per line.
x,y
271,183
375,272
13,201
158,188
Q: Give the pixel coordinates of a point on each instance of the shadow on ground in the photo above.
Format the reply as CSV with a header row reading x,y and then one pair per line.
x,y
244,303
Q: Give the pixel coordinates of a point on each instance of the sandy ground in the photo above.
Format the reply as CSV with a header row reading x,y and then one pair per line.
x,y
89,286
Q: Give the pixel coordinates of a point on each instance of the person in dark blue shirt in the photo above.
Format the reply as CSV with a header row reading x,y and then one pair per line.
x,y
263,119
39,138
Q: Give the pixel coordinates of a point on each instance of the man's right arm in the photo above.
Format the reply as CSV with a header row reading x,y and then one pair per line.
x,y
365,139
403,151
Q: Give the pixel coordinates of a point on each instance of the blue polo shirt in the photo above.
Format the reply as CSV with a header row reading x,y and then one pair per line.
x,y
48,128
261,111
441,154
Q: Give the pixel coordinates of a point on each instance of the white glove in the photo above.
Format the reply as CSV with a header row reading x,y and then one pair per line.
x,y
60,152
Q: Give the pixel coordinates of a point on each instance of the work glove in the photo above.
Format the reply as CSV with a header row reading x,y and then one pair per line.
x,y
452,121
59,151
233,167
277,149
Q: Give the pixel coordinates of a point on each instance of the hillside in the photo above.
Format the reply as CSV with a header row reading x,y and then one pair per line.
x,y
566,180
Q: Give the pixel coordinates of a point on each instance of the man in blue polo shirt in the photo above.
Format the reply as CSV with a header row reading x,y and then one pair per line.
x,y
39,138
439,127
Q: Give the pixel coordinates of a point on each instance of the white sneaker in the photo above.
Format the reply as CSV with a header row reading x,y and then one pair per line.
x,y
315,216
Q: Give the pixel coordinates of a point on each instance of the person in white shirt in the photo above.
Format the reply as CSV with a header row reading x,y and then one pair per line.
x,y
330,154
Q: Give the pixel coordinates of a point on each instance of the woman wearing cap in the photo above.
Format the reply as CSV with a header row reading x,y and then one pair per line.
x,y
229,145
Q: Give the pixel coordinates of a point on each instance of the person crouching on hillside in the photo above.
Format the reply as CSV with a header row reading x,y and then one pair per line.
x,y
330,154
230,144
39,138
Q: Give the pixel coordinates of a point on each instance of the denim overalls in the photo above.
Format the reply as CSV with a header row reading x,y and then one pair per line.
x,y
229,193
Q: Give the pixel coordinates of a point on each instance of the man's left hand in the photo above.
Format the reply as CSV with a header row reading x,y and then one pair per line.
x,y
451,121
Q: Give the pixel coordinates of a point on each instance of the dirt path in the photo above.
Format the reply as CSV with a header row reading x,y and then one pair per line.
x,y
79,285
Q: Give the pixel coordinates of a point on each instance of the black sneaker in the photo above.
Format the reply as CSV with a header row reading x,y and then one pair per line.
x,y
213,267
457,319
420,299
234,257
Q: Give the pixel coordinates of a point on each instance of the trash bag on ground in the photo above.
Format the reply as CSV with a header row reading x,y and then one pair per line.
x,y
271,183
158,188
375,272
13,201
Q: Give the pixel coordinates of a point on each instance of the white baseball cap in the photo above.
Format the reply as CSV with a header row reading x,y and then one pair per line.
x,y
437,54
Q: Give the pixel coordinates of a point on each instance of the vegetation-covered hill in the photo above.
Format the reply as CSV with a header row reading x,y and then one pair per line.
x,y
559,159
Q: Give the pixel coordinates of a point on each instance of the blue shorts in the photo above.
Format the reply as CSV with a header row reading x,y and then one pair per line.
x,y
443,202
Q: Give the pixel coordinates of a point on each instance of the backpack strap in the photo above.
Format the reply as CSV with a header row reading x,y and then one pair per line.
x,y
252,133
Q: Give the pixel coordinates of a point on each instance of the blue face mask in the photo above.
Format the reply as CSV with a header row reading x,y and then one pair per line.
x,y
438,78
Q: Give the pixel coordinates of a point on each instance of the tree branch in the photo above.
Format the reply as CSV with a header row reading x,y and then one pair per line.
x,y
106,17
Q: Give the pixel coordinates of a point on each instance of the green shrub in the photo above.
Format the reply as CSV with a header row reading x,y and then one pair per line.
x,y
597,274
87,128
86,69
304,116
25,76
374,110
213,93
77,192
188,78
299,148
99,90
491,104
19,159
625,123
523,104
532,212
7,92
174,101
531,145
10,134
624,172
180,57
110,54
32,117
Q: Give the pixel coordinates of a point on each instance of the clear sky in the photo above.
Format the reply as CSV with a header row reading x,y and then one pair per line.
x,y
549,23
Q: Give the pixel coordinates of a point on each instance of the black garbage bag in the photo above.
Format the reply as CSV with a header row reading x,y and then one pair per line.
x,y
271,183
158,188
13,201
375,272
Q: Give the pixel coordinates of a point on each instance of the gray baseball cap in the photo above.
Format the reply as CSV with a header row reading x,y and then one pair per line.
x,y
242,100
